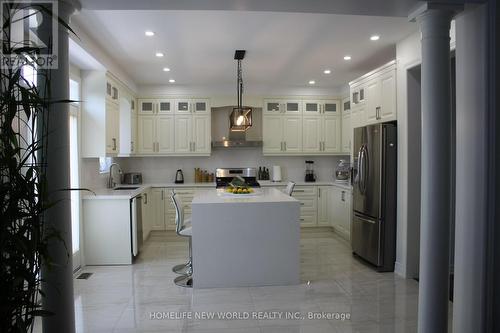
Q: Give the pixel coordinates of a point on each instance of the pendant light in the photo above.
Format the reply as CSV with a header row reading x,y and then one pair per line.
x,y
241,117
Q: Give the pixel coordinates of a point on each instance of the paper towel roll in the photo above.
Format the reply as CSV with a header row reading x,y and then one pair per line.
x,y
276,173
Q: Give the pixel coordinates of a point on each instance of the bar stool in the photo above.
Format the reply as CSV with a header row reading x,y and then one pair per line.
x,y
183,228
289,188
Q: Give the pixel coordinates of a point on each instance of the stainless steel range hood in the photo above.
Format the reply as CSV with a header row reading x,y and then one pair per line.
x,y
224,137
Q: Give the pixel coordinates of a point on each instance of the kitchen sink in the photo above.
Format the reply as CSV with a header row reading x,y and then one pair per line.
x,y
126,188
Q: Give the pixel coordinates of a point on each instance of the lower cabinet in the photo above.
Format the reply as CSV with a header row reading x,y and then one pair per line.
x,y
158,209
324,195
307,195
340,211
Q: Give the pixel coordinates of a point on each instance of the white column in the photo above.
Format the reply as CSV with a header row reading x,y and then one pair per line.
x,y
471,231
58,279
435,173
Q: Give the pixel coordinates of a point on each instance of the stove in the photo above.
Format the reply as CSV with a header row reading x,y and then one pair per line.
x,y
223,176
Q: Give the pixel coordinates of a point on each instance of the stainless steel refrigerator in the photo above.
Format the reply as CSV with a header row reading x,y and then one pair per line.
x,y
373,228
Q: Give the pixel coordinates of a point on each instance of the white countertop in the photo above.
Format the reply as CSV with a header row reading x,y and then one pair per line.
x,y
106,193
261,195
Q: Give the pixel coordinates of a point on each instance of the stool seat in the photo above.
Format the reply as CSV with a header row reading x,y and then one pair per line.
x,y
187,231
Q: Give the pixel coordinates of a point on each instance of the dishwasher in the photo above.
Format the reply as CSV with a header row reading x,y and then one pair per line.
x,y
136,224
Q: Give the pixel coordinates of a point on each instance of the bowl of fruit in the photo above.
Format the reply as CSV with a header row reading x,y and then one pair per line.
x,y
239,190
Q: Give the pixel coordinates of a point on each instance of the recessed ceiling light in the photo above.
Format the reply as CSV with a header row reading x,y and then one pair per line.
x,y
327,71
312,82
149,33
159,54
171,81
347,57
166,69
375,37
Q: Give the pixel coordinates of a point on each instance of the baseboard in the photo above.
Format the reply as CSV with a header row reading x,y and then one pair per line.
x,y
399,269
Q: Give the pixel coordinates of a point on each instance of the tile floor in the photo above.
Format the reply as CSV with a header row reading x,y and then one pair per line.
x,y
143,298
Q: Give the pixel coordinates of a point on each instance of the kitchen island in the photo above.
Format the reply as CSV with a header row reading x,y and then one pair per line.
x,y
245,240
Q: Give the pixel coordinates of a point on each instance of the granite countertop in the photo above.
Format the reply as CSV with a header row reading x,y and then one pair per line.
x,y
106,193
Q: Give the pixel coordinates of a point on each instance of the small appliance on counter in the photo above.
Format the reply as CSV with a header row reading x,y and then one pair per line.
x,y
179,177
276,173
132,178
310,176
343,172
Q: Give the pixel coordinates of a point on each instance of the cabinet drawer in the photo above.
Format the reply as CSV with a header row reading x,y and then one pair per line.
x,y
307,220
308,203
304,191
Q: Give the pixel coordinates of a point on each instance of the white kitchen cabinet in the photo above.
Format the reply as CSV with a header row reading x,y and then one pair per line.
x,y
331,134
202,136
311,108
156,106
282,135
330,107
324,198
341,211
290,107
311,134
112,128
186,195
146,134
158,209
307,195
347,133
183,134
164,133
100,117
147,214
182,106
200,106
272,134
378,89
128,125
156,134
133,133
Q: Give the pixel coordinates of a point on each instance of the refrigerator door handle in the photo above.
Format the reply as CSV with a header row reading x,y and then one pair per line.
x,y
358,174
366,167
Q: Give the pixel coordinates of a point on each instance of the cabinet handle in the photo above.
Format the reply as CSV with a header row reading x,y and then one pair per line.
x,y
319,193
378,112
114,144
284,145
302,220
145,198
131,146
281,145
162,195
343,195
194,146
299,190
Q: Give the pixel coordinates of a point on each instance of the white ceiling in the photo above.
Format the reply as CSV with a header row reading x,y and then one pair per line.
x,y
283,49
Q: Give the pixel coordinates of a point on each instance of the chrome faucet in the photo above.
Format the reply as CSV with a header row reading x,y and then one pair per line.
x,y
111,182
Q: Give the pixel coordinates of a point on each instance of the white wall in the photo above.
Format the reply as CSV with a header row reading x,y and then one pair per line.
x,y
162,169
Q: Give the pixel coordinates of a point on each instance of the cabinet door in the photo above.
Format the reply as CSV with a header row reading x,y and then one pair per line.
x,y
388,97
147,106
201,106
346,132
112,127
346,106
146,134
292,134
146,214
165,106
373,91
201,134
311,108
311,134
331,108
331,134
183,134
345,206
182,106
272,134
292,107
323,205
158,209
335,207
133,133
272,106
164,134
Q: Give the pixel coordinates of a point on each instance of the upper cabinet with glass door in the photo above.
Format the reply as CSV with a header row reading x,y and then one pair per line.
x,y
198,106
327,107
290,107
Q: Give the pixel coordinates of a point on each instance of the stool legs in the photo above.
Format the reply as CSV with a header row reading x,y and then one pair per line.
x,y
186,279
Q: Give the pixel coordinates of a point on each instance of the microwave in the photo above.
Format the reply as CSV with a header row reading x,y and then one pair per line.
x,y
132,178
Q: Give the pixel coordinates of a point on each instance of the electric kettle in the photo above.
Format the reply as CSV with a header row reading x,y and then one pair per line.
x,y
179,177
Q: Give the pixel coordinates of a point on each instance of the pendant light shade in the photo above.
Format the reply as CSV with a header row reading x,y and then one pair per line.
x,y
241,117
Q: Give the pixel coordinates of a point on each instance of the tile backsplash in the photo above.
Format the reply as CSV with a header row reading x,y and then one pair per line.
x,y
162,169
